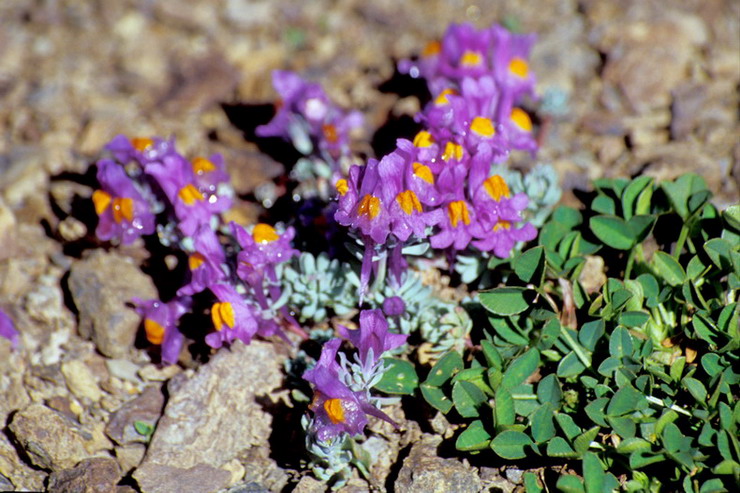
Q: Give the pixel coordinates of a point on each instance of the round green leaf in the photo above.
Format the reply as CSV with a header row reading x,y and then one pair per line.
x,y
529,265
521,368
731,216
505,301
399,377
510,444
668,268
446,368
467,398
612,231
475,437
558,447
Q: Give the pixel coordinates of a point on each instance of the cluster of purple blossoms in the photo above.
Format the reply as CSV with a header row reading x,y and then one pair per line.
x,y
149,187
342,399
308,118
252,304
438,185
249,299
148,176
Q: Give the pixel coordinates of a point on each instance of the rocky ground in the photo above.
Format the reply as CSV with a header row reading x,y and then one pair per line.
x,y
633,87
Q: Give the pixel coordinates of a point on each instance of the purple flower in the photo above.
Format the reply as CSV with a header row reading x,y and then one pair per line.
x,y
205,263
372,339
511,66
7,329
337,409
517,127
263,248
233,318
398,185
209,174
193,206
457,225
305,107
498,212
122,211
140,149
503,236
362,206
463,52
160,324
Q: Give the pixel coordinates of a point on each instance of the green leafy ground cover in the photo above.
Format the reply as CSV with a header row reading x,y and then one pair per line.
x,y
633,382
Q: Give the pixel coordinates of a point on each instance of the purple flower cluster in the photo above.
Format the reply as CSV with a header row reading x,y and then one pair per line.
x,y
148,186
342,399
148,175
249,299
305,114
251,303
438,185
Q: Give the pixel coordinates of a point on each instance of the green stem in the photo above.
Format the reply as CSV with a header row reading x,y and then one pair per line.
x,y
585,359
630,262
681,240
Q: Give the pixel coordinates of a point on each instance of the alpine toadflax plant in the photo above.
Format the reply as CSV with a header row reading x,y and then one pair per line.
x,y
148,188
438,187
342,390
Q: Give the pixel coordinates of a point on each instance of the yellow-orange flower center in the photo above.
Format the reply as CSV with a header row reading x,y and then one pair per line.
x,y
521,119
423,172
452,150
195,260
334,410
458,211
369,206
496,187
432,48
501,224
123,208
202,165
423,139
264,233
482,126
101,201
154,331
141,143
189,194
409,202
519,67
471,59
442,98
330,132
342,187
222,313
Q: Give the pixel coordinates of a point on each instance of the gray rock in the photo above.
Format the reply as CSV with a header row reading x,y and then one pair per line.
x,y
423,470
98,475
101,285
201,478
51,440
147,408
211,417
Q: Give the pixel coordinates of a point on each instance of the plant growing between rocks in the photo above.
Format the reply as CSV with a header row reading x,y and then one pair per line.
x,y
630,377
